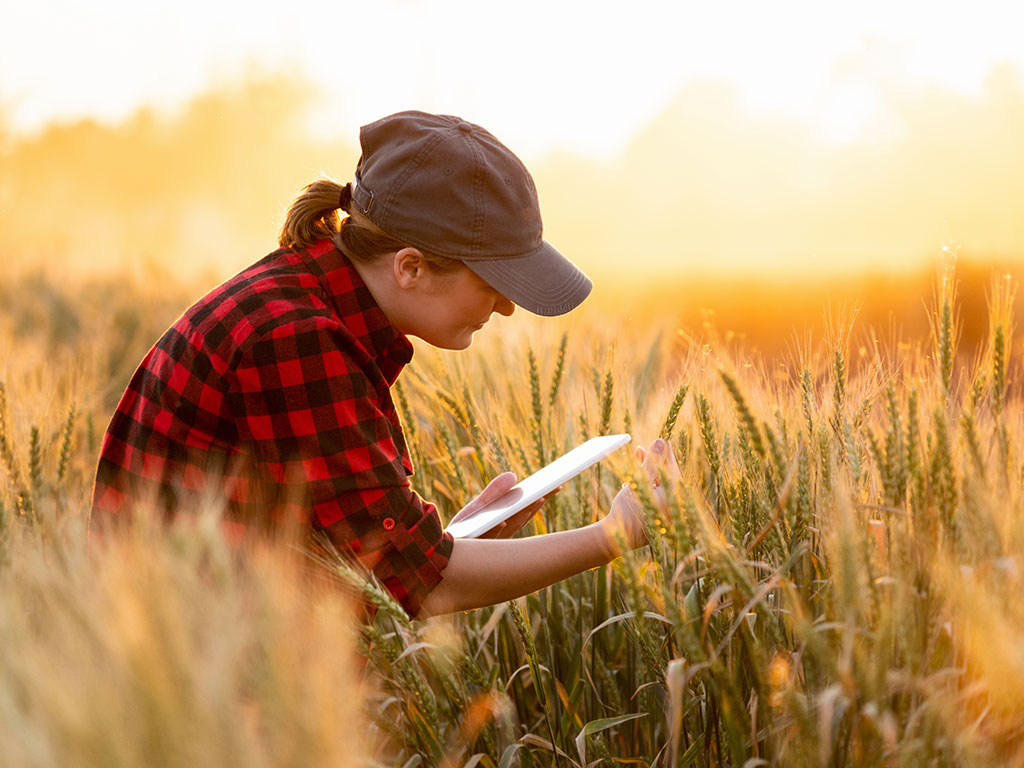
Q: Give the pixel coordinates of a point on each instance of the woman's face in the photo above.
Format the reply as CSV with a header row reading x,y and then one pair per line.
x,y
451,307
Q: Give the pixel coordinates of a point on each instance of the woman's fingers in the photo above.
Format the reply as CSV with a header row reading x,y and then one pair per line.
x,y
500,531
660,458
495,533
511,526
495,489
659,462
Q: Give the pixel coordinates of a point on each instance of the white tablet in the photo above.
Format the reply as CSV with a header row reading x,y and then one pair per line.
x,y
540,483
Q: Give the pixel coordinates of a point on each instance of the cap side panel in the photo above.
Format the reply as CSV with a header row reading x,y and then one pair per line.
x,y
410,168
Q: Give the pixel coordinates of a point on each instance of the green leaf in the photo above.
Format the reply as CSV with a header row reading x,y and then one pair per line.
x,y
508,754
412,649
621,617
596,726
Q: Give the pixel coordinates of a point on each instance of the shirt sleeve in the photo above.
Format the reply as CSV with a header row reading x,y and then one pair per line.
x,y
316,411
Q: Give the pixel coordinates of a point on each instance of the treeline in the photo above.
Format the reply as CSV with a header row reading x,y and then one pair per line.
x,y
709,206
203,189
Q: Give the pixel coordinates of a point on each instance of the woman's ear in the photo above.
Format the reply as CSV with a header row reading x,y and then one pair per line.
x,y
409,268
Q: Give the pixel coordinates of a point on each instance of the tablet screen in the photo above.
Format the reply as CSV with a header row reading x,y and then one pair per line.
x,y
540,483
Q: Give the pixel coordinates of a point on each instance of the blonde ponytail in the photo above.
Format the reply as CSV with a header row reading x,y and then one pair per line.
x,y
314,216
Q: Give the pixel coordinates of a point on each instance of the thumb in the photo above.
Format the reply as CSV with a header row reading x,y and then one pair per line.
x,y
630,498
495,489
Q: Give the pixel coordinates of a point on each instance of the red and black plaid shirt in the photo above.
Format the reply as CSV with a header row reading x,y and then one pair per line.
x,y
271,395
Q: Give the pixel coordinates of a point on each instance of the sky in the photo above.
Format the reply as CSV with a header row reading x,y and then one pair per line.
x,y
777,138
544,75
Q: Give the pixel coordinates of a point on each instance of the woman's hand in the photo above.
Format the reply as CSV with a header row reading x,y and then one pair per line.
x,y
495,489
660,464
624,524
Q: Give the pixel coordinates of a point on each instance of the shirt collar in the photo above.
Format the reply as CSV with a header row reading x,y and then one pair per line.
x,y
357,309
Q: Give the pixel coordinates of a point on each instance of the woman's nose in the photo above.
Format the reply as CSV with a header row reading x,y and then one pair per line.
x,y
504,306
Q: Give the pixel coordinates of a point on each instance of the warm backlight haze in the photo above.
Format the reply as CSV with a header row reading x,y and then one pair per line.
x,y
687,158
705,189
680,140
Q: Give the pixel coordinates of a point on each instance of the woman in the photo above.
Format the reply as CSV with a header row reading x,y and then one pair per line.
x,y
271,394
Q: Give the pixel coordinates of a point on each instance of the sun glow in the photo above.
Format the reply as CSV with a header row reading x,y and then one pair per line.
x,y
593,75
776,141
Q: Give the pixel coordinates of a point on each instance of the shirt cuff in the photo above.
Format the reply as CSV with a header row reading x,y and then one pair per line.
x,y
397,535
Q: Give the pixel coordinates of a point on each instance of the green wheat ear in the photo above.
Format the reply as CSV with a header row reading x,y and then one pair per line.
x,y
23,497
364,583
682,447
556,380
516,446
1001,299
825,461
35,460
943,479
807,399
537,422
706,421
474,427
65,443
915,465
999,363
838,389
673,412
945,327
800,522
535,399
521,621
1001,315
973,443
946,346
895,455
6,451
607,399
746,418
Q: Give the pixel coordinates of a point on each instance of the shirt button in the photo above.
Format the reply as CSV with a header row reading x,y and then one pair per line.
x,y
388,523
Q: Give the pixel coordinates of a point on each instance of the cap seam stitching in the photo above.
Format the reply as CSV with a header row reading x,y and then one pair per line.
x,y
414,165
476,243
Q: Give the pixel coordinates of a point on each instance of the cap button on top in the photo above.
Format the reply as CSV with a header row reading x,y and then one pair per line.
x,y
465,127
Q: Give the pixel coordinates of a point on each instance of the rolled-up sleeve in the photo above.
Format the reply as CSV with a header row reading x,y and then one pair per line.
x,y
323,427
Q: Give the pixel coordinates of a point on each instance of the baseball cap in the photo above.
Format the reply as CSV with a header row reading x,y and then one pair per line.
x,y
448,186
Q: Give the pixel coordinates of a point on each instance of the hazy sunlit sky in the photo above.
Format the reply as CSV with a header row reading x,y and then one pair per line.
x,y
542,74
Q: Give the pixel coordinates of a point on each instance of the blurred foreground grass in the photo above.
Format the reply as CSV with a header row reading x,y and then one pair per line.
x,y
837,581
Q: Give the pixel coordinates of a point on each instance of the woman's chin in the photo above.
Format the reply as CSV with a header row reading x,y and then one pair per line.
x,y
454,342
465,343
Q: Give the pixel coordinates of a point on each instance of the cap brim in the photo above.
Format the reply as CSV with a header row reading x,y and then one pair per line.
x,y
545,283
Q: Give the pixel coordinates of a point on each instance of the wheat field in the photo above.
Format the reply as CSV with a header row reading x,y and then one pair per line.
x,y
835,581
